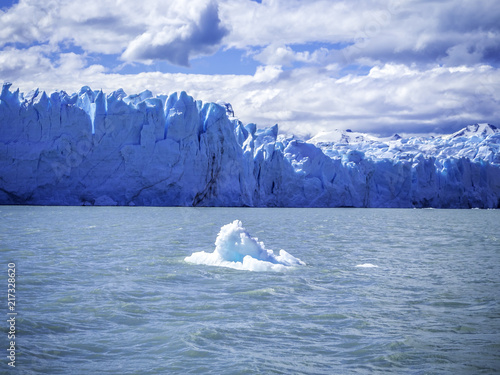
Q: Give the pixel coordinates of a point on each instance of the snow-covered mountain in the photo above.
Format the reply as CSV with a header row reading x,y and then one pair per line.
x,y
478,142
95,149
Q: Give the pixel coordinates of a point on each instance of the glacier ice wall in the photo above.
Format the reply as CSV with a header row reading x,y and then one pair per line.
x,y
90,148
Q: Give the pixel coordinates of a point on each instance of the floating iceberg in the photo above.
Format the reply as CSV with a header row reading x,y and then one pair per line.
x,y
235,248
90,148
367,265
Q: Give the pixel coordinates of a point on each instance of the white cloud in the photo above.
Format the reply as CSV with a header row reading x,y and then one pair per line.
x,y
16,65
286,56
177,41
26,22
397,31
142,31
391,98
288,22
432,65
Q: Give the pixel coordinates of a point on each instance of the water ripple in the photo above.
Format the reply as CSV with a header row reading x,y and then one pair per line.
x,y
107,291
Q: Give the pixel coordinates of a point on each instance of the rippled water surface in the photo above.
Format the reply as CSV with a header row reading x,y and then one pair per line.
x,y
106,290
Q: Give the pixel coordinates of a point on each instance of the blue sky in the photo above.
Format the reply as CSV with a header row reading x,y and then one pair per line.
x,y
378,66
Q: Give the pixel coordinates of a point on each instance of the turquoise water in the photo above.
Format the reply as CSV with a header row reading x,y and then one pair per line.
x,y
106,290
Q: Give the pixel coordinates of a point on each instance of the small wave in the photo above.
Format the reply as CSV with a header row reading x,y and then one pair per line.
x,y
235,248
367,265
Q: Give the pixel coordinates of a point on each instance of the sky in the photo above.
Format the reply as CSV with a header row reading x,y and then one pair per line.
x,y
310,66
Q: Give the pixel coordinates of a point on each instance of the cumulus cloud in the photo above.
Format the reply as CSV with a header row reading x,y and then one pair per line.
x,y
286,56
178,41
390,98
380,66
140,31
395,31
17,65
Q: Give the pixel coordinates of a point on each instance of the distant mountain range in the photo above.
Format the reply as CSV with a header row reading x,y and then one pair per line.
x,y
477,142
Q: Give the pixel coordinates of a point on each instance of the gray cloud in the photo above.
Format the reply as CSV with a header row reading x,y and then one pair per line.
x,y
178,45
403,65
419,32
145,31
469,16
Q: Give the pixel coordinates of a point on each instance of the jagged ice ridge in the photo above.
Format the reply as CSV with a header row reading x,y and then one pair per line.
x,y
89,148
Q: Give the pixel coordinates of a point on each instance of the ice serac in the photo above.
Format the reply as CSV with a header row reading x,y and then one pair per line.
x,y
92,148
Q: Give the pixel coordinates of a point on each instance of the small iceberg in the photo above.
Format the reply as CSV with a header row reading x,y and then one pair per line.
x,y
367,265
235,248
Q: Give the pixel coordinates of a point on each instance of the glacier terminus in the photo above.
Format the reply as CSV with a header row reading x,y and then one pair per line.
x,y
92,148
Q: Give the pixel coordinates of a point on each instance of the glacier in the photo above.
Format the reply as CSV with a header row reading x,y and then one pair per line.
x,y
92,148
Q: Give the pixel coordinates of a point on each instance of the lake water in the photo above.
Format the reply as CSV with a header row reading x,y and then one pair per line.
x,y
106,290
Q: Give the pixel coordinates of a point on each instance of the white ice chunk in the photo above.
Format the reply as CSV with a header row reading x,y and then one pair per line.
x,y
235,248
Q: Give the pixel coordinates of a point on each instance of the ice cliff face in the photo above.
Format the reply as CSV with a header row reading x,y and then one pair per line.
x,y
118,149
